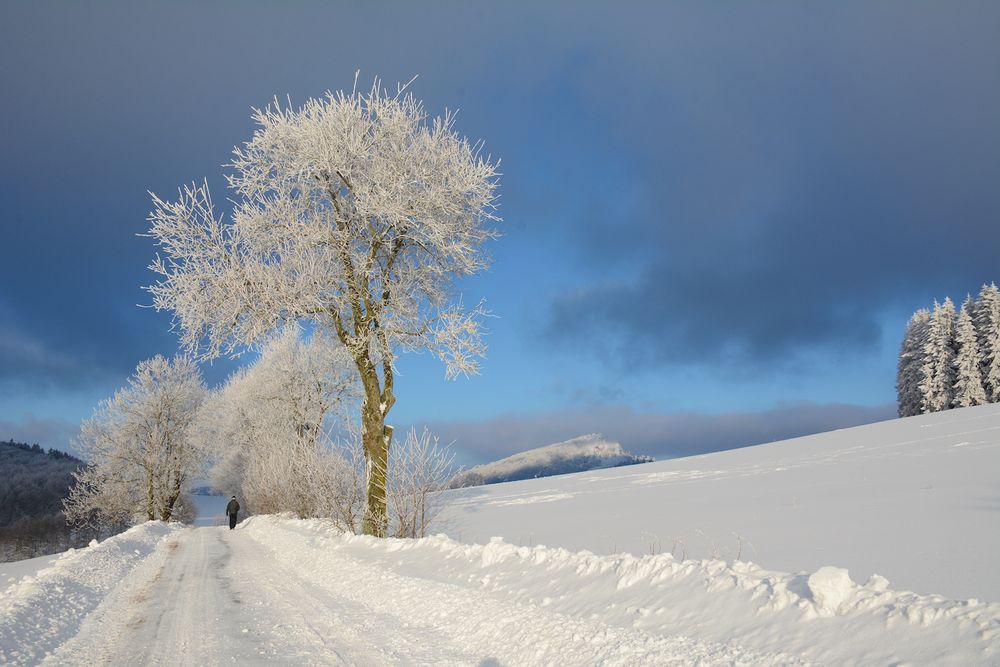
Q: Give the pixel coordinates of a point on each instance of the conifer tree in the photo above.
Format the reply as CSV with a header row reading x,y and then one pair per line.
x,y
938,369
911,359
968,380
987,321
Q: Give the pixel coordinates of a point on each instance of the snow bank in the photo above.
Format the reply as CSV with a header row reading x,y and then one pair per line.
x,y
38,613
785,617
461,614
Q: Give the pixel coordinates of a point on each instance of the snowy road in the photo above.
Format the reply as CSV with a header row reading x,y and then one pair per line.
x,y
210,596
219,597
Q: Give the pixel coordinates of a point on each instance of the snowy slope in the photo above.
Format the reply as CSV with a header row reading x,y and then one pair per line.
x,y
586,452
915,500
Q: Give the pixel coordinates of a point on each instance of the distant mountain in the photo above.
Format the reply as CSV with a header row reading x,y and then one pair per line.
x,y
586,452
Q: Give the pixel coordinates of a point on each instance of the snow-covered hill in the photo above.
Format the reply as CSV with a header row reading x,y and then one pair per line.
x,y
586,452
916,500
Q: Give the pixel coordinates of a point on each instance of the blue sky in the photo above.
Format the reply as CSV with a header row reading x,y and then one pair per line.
x,y
717,216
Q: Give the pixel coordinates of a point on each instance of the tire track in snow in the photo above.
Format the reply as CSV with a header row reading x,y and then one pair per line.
x,y
212,596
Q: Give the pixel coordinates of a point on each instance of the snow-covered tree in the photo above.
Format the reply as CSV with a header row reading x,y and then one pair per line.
x,y
355,212
911,361
139,446
938,371
968,380
266,425
419,471
987,321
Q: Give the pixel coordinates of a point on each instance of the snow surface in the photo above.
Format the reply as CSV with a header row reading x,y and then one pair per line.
x,y
39,613
283,591
915,500
586,452
12,572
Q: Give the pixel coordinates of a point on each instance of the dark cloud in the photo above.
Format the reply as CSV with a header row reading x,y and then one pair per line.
x,y
26,361
104,102
656,434
736,181
797,173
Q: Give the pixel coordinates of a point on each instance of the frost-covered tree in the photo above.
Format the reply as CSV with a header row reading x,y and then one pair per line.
x,y
266,425
139,445
987,321
968,380
419,472
938,371
355,212
909,372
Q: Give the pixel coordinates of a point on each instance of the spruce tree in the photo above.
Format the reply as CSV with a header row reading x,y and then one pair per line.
x,y
938,370
911,359
968,389
987,321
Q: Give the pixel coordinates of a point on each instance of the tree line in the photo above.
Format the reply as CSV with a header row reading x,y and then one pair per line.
x,y
950,358
352,218
275,434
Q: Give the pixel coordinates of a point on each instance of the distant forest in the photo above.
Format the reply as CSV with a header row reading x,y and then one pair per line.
x,y
32,487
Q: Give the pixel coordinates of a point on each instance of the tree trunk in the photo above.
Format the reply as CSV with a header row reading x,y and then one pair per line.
x,y
168,505
150,503
376,437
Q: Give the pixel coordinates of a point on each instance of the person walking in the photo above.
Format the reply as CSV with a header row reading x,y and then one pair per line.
x,y
231,510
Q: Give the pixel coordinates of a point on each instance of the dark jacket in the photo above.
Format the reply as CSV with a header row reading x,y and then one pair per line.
x,y
233,507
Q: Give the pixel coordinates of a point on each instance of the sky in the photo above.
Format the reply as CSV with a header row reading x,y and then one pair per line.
x,y
717,217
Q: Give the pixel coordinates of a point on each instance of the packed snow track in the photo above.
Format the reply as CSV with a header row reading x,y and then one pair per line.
x,y
284,591
221,597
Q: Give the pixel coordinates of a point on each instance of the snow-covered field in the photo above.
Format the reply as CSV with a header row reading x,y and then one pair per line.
x,y
914,500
